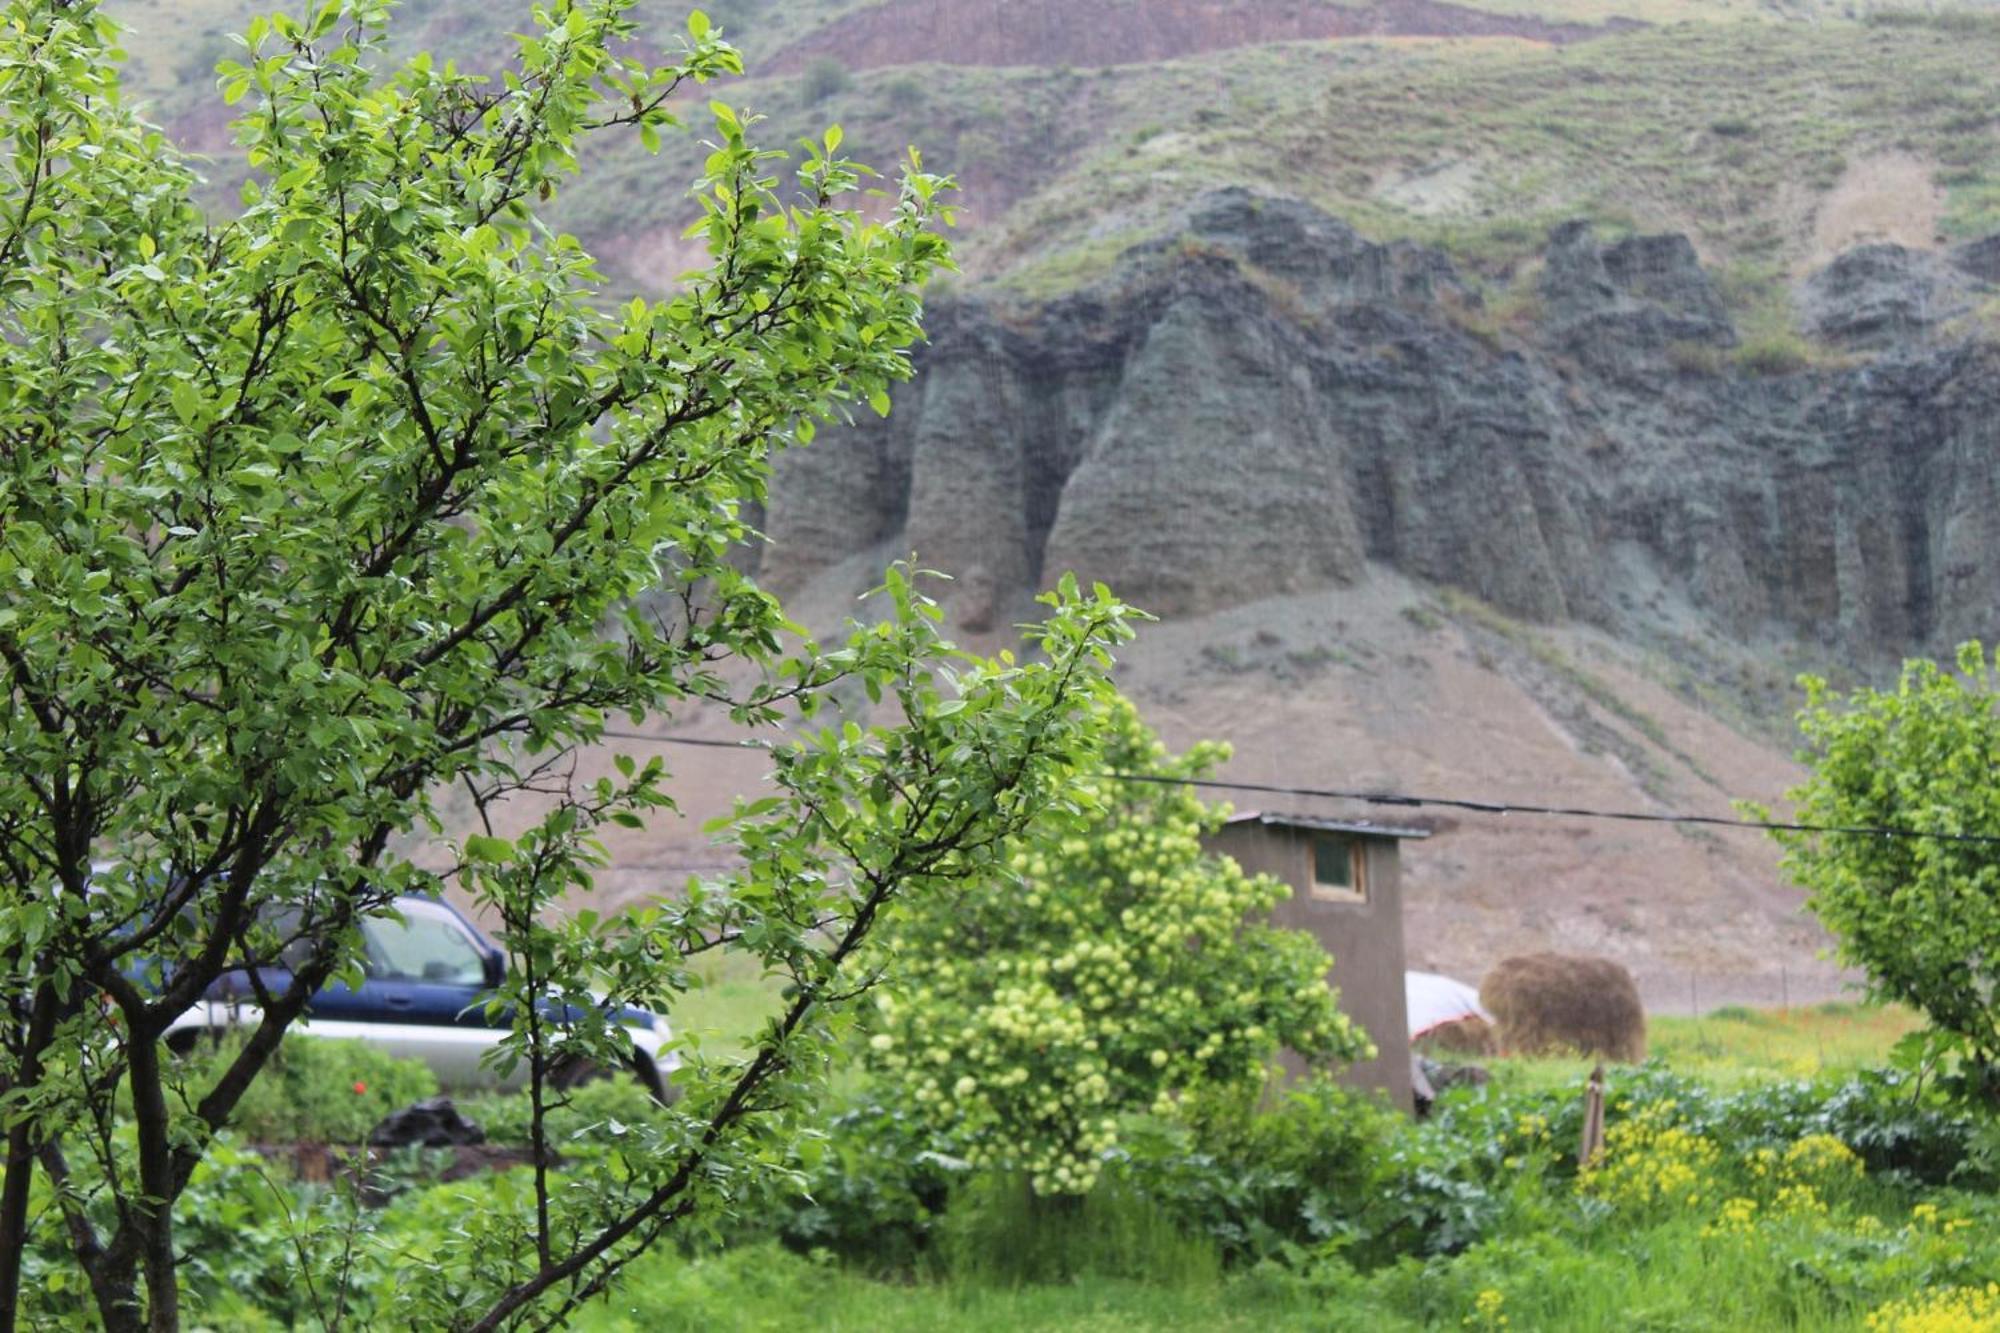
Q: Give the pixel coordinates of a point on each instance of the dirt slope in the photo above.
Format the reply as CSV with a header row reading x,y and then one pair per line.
x,y
1384,686
1119,32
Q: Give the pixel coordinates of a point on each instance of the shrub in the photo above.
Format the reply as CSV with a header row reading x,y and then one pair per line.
x,y
1782,353
1476,1164
1116,967
824,78
319,1091
1547,1003
1699,359
874,1196
1950,1310
1650,1161
1904,1134
1000,1231
1920,915
1266,1184
604,1105
263,1252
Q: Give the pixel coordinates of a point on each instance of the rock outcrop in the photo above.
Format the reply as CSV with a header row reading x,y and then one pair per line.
x,y
1269,402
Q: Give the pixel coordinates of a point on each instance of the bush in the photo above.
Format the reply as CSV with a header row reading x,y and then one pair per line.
x,y
1920,916
1116,966
1903,1135
1699,359
264,1252
875,1196
1478,1163
1000,1232
1271,1184
318,1091
1782,353
824,78
603,1105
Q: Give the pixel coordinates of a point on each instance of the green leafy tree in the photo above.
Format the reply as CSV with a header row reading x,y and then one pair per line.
x,y
312,515
1921,916
1113,966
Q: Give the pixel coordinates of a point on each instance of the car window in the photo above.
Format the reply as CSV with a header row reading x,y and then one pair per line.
x,y
283,922
426,945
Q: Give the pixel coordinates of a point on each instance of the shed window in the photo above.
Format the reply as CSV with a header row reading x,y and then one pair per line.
x,y
1337,867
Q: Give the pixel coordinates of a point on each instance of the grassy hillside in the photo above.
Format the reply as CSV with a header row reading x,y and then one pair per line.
x,y
1740,135
1770,141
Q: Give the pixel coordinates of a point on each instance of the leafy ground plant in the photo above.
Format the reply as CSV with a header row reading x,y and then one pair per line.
x,y
1709,1211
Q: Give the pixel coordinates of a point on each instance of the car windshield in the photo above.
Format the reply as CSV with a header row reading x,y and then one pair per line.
x,y
427,945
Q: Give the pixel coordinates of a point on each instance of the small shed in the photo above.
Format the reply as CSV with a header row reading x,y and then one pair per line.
x,y
1346,889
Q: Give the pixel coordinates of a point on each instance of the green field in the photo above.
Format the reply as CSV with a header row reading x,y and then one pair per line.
x,y
1736,1048
1825,1256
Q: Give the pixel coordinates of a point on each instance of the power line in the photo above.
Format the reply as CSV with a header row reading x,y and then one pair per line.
x,y
1412,801
702,741
1578,812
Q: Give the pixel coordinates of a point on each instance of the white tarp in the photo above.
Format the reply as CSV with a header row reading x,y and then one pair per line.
x,y
1435,1000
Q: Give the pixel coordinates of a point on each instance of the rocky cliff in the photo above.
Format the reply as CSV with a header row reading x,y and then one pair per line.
x,y
1268,404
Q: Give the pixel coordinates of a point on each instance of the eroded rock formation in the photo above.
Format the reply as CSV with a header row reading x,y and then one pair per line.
x,y
1269,402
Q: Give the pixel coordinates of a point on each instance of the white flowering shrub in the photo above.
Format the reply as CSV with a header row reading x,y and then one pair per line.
x,y
1115,967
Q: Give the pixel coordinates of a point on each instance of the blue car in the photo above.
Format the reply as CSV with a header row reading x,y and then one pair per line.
x,y
426,979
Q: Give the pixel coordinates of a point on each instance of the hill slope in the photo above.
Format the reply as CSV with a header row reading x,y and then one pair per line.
x,y
1500,397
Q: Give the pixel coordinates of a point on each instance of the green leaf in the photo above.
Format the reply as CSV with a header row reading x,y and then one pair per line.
x,y
186,402
481,848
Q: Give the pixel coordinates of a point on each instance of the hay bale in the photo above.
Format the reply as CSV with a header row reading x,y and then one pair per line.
x,y
1550,1003
1471,1035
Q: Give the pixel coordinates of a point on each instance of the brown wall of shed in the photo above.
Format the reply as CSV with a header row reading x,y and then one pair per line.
x,y
1365,939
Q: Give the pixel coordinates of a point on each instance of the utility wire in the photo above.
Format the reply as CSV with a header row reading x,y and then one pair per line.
x,y
1410,801
1578,812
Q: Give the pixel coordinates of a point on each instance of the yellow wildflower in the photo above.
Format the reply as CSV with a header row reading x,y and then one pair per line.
x,y
1738,1215
1945,1310
1488,1310
1649,1160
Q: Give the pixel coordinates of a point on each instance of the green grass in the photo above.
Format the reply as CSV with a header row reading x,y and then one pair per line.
x,y
1750,1044
1555,1263
1607,1279
765,1288
1731,133
1730,1047
729,1005
1735,1047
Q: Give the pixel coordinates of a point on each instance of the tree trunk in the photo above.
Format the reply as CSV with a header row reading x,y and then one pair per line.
x,y
153,1212
20,1165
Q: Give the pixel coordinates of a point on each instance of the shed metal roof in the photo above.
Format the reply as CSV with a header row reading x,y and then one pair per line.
x,y
1323,824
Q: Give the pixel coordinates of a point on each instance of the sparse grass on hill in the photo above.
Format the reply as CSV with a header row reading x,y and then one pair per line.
x,y
1734,134
1733,129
